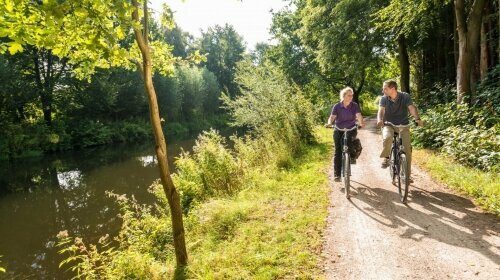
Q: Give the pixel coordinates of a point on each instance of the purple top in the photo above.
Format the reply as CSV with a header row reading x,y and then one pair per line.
x,y
346,116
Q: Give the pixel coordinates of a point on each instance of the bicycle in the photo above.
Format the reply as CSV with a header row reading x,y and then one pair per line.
x,y
398,163
346,159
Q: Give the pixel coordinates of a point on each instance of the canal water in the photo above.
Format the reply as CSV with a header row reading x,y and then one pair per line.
x,y
40,197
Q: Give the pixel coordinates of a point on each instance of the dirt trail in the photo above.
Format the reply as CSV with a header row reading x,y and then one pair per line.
x,y
437,235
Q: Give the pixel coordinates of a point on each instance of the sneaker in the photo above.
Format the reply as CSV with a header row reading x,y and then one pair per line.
x,y
385,162
336,179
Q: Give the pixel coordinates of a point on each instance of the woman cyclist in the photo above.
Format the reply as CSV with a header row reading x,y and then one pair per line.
x,y
344,114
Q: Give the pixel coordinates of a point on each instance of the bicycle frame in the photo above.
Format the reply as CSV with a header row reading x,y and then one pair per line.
x,y
346,162
398,162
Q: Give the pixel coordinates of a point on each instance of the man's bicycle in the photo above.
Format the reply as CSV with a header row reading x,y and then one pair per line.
x,y
346,159
398,163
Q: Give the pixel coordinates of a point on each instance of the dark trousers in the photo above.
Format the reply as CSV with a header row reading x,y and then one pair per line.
x,y
338,137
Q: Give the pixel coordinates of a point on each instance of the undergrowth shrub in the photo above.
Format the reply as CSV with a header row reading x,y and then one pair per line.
x,y
468,133
280,118
144,245
210,170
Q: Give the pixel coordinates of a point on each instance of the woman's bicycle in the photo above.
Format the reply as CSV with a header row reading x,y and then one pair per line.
x,y
398,163
346,159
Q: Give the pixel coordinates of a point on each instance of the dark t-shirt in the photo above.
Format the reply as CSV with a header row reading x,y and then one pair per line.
x,y
346,116
396,111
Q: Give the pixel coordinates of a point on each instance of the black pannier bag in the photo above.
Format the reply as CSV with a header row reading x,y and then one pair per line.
x,y
355,148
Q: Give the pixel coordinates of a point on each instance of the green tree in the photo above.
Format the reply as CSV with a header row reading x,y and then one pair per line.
x,y
290,54
298,63
191,90
169,97
15,92
343,38
224,48
401,19
88,33
212,92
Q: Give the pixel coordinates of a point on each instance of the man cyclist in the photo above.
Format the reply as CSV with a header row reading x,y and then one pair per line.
x,y
394,107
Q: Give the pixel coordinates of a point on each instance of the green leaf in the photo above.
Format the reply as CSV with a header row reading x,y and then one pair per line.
x,y
15,48
9,6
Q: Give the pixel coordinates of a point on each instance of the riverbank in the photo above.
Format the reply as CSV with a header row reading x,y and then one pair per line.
x,y
30,140
270,229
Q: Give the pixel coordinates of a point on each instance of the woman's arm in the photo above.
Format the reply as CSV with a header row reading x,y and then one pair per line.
x,y
331,119
361,122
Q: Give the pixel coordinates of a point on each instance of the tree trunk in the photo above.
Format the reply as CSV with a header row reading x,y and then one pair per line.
x,y
43,81
404,64
173,198
358,90
468,37
483,60
451,58
47,71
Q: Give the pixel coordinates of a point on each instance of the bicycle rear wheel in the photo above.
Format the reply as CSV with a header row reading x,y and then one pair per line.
x,y
346,170
404,179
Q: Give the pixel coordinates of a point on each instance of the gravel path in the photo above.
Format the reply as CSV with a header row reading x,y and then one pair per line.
x,y
437,235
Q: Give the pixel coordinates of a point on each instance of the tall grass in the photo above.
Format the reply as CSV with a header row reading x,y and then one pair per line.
x,y
483,186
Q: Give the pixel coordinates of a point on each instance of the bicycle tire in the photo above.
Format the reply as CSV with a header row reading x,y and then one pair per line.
x,y
404,179
347,172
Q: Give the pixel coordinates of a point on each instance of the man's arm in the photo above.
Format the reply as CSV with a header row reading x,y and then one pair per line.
x,y
414,112
380,116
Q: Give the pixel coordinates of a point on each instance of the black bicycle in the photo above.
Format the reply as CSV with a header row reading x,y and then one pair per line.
x,y
346,160
398,163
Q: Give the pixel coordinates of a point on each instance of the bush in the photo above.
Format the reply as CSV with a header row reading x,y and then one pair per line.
x,y
91,133
280,118
26,139
132,131
463,133
473,146
211,170
145,244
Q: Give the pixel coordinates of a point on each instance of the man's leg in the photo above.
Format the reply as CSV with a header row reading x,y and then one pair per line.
x,y
405,134
387,134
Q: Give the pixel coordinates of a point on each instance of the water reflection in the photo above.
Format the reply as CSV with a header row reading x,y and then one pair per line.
x,y
69,179
148,160
38,198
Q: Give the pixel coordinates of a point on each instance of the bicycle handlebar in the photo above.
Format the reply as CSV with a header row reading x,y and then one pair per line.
x,y
345,129
397,125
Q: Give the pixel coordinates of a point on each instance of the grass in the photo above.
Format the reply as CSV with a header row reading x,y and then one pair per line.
x,y
484,187
270,230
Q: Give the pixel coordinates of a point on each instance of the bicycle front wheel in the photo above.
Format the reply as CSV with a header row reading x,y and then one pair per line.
x,y
393,164
404,178
346,170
